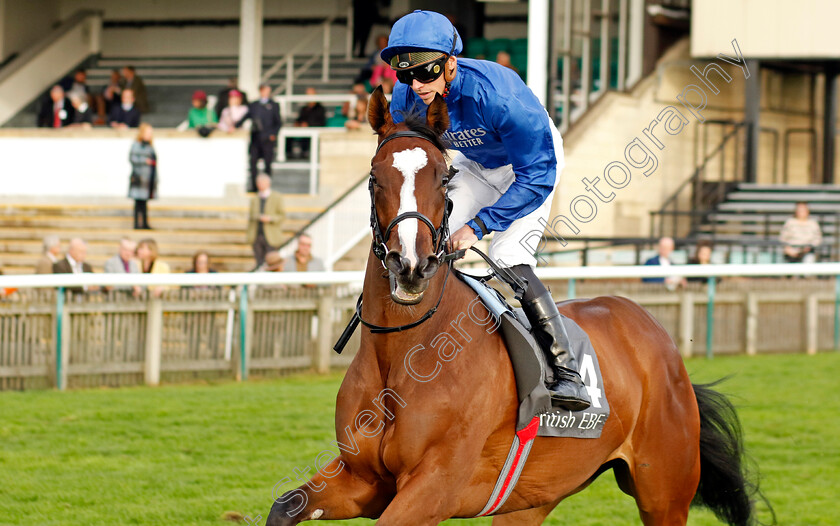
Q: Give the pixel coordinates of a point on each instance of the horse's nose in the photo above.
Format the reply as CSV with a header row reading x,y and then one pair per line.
x,y
428,266
396,263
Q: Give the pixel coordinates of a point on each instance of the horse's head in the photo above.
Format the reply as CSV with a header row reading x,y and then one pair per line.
x,y
408,191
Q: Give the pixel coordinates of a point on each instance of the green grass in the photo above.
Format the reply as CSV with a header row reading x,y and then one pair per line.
x,y
182,455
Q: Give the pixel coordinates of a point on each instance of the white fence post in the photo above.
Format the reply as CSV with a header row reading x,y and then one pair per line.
x,y
154,339
686,323
752,324
326,306
811,320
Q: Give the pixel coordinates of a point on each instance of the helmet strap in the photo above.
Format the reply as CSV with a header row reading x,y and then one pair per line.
x,y
448,78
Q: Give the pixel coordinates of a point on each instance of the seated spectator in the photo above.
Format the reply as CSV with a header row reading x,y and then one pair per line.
x,y
74,263
83,116
367,70
56,110
665,248
274,262
124,263
359,119
360,92
303,260
800,236
234,113
702,256
313,114
223,98
201,264
52,253
111,95
503,58
381,72
125,115
200,116
131,80
147,253
77,85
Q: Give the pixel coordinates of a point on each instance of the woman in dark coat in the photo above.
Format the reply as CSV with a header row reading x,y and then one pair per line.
x,y
143,181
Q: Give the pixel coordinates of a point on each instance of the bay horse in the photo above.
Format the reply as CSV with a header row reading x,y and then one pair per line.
x,y
426,413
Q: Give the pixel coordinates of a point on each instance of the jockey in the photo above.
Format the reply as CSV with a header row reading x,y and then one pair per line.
x,y
509,156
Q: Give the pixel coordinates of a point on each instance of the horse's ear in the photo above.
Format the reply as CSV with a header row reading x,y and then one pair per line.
x,y
437,115
379,116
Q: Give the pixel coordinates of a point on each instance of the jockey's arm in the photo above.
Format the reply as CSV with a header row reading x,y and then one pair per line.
x,y
525,133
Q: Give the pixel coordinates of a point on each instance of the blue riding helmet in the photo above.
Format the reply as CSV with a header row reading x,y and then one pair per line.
x,y
422,31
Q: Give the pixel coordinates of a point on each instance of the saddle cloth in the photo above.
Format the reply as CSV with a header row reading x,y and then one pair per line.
x,y
530,370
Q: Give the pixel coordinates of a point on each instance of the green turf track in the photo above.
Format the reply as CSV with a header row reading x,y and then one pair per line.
x,y
183,455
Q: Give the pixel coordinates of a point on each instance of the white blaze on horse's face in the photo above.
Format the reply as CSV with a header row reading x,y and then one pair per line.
x,y
409,162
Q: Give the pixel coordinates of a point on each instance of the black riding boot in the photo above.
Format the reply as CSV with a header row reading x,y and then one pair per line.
x,y
566,389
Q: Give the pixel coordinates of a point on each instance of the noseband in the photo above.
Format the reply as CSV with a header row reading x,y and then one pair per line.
x,y
439,234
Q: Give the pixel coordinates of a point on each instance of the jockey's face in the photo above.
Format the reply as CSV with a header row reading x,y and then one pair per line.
x,y
428,90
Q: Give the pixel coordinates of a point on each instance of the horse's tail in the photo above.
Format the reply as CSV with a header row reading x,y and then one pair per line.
x,y
725,485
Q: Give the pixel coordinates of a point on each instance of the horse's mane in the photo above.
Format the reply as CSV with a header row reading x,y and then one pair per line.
x,y
416,121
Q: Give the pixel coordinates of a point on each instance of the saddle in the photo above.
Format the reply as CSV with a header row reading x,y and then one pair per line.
x,y
531,370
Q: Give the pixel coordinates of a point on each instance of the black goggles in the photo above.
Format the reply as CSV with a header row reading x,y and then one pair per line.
x,y
424,73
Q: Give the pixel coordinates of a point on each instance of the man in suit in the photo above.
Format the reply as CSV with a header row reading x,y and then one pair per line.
x,y
126,114
124,263
131,80
74,263
664,249
56,111
265,125
265,220
52,251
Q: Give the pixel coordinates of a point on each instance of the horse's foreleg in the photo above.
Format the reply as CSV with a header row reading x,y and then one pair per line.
x,y
335,492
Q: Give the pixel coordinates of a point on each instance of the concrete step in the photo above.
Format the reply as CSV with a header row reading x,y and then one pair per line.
x,y
159,223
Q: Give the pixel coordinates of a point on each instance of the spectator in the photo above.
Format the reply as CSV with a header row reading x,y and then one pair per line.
x,y
273,262
126,114
147,253
800,236
359,119
702,256
503,58
111,94
313,114
303,260
265,220
223,99
665,248
265,125
382,71
201,264
77,85
83,115
124,263
365,14
142,184
200,116
348,108
52,251
131,80
74,263
56,111
367,70
233,113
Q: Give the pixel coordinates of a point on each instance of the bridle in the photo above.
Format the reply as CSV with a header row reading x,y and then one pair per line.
x,y
439,234
380,249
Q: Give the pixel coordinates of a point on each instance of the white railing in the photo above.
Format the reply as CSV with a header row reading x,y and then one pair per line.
x,y
287,61
330,305
341,227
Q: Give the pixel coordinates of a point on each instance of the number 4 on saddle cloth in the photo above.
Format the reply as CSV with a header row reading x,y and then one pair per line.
x,y
530,370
